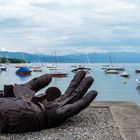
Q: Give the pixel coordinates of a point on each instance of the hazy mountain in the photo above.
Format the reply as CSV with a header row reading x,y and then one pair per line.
x,y
77,58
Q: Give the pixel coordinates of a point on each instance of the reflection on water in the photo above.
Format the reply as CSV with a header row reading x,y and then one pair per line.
x,y
109,87
23,77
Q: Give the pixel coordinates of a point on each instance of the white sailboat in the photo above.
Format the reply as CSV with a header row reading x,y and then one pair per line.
x,y
21,64
54,67
83,68
37,67
56,73
111,71
112,67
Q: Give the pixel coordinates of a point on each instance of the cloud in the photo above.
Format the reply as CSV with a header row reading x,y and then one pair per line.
x,y
47,25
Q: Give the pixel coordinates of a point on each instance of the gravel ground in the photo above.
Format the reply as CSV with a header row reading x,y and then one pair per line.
x,y
90,124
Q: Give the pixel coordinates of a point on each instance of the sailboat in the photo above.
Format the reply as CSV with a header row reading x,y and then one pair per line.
x,y
37,67
112,67
83,68
21,64
111,71
51,67
56,73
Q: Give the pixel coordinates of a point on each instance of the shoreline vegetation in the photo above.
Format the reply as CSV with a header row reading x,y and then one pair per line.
x,y
11,60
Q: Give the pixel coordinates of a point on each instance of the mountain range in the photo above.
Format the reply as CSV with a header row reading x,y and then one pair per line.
x,y
115,57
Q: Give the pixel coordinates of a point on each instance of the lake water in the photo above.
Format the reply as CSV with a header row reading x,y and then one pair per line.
x,y
110,87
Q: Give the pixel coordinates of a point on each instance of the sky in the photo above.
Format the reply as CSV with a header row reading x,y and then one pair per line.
x,y
69,26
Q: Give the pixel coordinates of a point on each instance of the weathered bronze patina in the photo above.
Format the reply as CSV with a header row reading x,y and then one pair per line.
x,y
22,111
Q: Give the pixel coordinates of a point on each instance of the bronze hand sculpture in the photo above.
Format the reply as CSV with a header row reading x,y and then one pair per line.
x,y
23,111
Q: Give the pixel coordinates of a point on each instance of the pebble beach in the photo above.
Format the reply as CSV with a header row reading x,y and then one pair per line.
x,y
90,124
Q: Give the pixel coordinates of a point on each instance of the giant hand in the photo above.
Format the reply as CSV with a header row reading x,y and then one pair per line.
x,y
27,112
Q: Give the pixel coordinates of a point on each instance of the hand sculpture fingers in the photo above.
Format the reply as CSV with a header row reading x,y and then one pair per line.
x,y
56,115
73,104
70,110
27,114
38,83
73,85
79,92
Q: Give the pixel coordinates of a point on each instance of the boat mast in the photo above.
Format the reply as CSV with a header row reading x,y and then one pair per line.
x,y
110,59
55,59
87,56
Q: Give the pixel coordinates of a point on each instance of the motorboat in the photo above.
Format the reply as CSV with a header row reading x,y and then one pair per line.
x,y
58,74
23,71
125,74
111,71
138,81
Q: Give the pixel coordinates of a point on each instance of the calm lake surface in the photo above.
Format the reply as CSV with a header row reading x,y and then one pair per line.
x,y
110,87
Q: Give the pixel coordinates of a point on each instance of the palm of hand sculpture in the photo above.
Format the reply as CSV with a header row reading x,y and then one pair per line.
x,y
27,112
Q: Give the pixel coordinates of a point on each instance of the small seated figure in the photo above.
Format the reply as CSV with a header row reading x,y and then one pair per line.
x,y
23,111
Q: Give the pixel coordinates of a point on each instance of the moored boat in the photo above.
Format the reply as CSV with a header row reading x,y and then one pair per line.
x,y
37,70
23,71
81,69
3,68
54,68
20,65
34,67
137,70
138,81
58,74
115,68
125,74
111,71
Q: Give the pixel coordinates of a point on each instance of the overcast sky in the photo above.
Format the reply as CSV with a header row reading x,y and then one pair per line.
x,y
70,26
